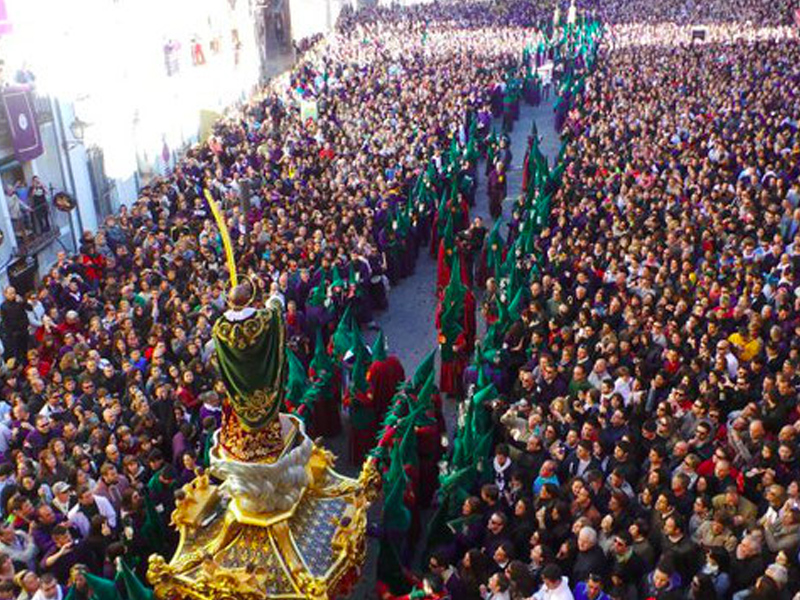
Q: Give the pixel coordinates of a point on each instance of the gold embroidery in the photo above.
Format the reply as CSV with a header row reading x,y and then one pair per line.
x,y
258,407
241,334
251,446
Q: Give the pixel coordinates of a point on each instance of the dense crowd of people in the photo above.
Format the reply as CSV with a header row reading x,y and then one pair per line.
x,y
110,392
646,426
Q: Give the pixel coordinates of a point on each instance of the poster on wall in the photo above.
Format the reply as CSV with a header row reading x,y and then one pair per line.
x,y
172,55
21,114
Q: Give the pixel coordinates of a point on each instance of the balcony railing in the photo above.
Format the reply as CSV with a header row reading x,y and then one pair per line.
x,y
36,229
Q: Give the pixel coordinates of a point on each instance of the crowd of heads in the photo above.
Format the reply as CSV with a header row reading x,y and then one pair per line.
x,y
110,391
648,433
648,425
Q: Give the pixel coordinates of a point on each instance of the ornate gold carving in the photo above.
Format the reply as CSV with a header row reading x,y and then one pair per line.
x,y
263,445
313,551
321,460
159,573
193,501
236,581
346,540
312,588
369,480
248,560
260,520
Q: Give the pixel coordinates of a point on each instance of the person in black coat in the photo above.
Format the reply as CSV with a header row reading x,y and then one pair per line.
x,y
747,564
468,530
496,533
590,558
625,561
453,583
523,583
580,461
473,573
523,524
685,553
14,321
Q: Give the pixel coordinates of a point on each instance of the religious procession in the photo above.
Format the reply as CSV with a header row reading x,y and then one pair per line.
x,y
477,300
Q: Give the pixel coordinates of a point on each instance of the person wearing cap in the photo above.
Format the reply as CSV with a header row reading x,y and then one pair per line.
x,y
62,498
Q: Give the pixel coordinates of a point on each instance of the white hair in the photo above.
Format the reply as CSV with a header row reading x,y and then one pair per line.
x,y
588,534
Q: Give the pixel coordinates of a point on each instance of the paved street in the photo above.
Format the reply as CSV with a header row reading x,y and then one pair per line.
x,y
409,323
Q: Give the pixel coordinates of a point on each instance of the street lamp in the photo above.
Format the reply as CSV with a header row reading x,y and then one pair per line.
x,y
78,130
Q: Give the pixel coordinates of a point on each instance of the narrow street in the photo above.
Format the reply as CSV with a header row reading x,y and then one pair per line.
x,y
409,323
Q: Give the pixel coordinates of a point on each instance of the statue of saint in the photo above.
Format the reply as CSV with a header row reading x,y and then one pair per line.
x,y
250,347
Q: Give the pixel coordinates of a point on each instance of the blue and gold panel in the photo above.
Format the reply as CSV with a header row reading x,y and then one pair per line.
x,y
312,526
253,546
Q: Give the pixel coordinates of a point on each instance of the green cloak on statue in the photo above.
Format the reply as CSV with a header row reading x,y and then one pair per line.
x,y
250,349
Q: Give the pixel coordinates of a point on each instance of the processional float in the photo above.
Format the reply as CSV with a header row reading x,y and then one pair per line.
x,y
282,523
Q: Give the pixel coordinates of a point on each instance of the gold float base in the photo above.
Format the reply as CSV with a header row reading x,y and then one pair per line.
x,y
315,550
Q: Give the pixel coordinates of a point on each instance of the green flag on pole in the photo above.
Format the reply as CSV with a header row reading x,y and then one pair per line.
x,y
296,380
344,336
135,589
379,348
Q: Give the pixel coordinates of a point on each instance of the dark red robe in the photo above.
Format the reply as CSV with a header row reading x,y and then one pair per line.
x,y
429,447
443,268
452,373
383,378
325,418
363,427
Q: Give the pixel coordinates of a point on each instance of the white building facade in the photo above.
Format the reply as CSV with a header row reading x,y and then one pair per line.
x,y
121,89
